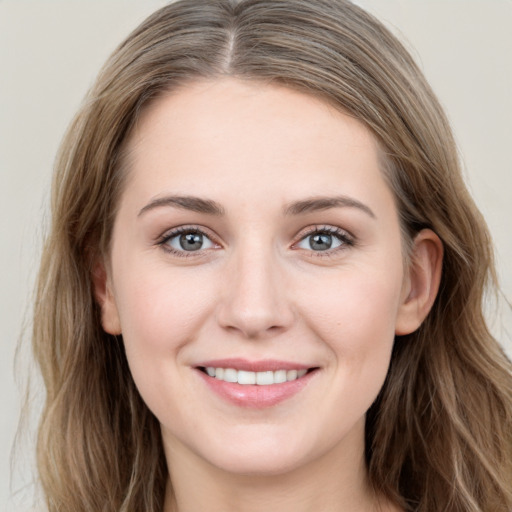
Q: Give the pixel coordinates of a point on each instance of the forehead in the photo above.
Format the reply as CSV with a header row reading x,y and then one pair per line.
x,y
231,134
194,107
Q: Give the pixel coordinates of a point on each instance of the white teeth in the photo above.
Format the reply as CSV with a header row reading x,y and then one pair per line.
x,y
279,376
291,374
230,375
246,377
264,378
259,378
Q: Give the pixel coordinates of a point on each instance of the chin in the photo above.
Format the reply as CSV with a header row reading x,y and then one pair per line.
x,y
263,455
262,464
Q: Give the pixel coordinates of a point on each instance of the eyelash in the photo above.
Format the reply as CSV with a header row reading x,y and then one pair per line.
x,y
169,235
346,240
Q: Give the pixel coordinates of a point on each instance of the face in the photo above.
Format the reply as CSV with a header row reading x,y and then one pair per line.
x,y
256,275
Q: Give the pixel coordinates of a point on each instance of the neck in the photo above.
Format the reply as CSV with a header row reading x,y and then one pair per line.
x,y
330,483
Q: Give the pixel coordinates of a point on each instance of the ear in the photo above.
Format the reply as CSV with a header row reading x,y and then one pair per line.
x,y
421,282
104,295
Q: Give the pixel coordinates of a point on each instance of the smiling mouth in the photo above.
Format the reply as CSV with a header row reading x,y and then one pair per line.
x,y
264,378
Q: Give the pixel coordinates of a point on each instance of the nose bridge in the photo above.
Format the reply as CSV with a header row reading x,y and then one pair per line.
x,y
256,301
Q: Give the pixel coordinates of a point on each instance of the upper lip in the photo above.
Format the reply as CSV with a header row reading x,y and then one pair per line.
x,y
253,366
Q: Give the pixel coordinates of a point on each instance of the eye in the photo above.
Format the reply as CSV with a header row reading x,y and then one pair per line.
x,y
325,239
187,240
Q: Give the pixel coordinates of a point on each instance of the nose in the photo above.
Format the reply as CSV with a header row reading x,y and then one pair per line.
x,y
254,301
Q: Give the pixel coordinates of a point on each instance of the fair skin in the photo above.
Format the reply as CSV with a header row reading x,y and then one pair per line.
x,y
256,232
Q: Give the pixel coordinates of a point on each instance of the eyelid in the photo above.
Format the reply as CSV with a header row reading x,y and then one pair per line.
x,y
347,239
187,228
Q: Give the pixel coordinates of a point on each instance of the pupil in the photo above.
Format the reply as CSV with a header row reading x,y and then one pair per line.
x,y
191,241
321,242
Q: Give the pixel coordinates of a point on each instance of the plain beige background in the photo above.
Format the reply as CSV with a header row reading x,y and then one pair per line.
x,y
50,51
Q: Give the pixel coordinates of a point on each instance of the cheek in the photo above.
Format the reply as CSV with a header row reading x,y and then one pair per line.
x,y
356,304
161,309
161,312
355,316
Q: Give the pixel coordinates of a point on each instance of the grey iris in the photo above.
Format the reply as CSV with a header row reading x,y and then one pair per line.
x,y
191,241
320,242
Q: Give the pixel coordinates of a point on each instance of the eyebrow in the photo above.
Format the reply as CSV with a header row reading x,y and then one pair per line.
x,y
315,204
195,204
209,207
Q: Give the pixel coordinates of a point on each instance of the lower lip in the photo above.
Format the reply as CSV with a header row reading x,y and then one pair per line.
x,y
253,396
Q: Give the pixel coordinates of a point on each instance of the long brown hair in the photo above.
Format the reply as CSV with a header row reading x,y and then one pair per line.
x,y
439,436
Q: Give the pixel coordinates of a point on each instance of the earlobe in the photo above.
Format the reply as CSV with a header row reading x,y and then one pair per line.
x,y
105,297
421,283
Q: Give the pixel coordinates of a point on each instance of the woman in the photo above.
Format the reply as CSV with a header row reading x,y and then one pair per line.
x,y
263,285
